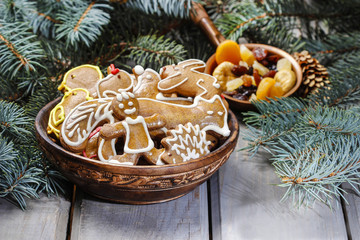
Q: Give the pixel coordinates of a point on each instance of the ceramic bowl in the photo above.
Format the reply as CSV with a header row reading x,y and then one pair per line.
x,y
133,184
242,105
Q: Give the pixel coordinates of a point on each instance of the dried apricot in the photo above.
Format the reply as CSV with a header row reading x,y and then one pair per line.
x,y
264,88
276,90
229,51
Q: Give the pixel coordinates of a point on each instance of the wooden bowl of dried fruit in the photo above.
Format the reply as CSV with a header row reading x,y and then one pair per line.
x,y
253,72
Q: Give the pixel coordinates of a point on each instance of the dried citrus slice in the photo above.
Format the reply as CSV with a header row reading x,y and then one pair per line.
x,y
228,51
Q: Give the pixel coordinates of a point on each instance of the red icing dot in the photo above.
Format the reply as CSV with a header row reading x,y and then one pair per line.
x,y
113,69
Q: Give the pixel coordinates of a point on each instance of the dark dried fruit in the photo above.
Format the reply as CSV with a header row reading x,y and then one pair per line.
x,y
250,71
272,67
260,53
273,58
265,62
239,70
257,77
270,73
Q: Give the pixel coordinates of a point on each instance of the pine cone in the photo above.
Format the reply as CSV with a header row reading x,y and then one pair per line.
x,y
315,75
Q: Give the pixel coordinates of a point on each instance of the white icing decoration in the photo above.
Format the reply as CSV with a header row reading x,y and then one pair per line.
x,y
101,145
119,97
125,95
81,111
196,142
138,85
106,93
224,130
138,70
130,111
121,106
139,120
160,96
148,76
131,95
130,104
220,113
210,112
194,69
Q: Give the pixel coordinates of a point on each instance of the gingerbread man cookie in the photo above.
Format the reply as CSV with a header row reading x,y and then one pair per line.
x,y
135,129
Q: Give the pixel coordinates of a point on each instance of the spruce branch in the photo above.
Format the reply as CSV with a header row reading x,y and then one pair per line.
x,y
82,22
19,50
13,121
23,181
154,52
178,9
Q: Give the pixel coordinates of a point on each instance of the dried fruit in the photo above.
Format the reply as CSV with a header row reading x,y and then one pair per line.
x,y
264,88
234,84
260,53
283,64
257,77
273,58
271,74
276,90
248,80
228,51
261,68
223,73
239,70
286,78
246,55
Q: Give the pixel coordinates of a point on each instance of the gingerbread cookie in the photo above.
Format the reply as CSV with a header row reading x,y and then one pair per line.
x,y
116,81
69,101
82,120
184,143
134,128
84,76
187,79
171,117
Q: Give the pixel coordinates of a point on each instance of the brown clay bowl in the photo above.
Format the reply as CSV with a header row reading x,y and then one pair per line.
x,y
242,105
133,184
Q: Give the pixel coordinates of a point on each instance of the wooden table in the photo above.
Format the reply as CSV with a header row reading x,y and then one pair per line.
x,y
238,202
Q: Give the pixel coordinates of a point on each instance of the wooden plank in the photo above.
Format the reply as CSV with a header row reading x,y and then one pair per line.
x,y
183,218
352,211
250,207
44,218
